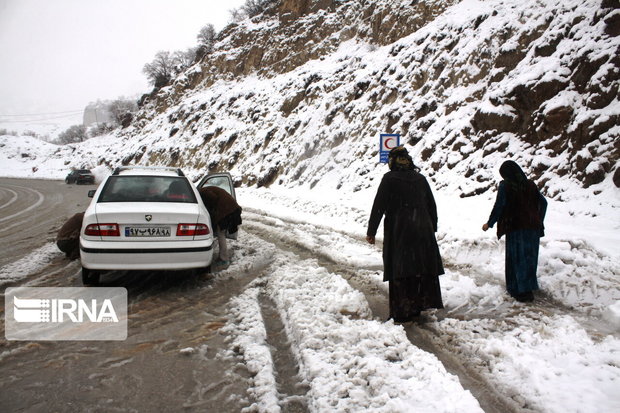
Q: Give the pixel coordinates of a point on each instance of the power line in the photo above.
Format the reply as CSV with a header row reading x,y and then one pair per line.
x,y
43,119
44,114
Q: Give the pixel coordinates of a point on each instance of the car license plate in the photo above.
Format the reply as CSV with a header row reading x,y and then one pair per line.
x,y
147,231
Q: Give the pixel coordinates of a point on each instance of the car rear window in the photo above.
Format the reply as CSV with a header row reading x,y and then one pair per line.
x,y
130,188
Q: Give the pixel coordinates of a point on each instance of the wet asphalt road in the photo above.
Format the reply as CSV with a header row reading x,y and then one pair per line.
x,y
32,211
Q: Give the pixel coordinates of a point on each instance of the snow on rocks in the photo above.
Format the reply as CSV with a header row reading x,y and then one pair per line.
x,y
612,314
25,156
187,351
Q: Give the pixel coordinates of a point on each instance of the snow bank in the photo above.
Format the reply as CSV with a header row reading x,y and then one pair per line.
x,y
549,365
612,314
29,264
25,156
249,338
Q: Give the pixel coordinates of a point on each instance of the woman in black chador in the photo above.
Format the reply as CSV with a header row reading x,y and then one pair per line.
x,y
411,259
519,211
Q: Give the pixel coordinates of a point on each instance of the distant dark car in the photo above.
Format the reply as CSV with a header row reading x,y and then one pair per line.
x,y
80,176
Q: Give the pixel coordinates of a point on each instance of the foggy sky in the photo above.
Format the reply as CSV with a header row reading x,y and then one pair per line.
x,y
59,55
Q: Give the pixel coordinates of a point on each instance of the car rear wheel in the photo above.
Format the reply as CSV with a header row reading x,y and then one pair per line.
x,y
90,277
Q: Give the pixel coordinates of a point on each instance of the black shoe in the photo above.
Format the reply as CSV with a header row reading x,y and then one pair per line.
x,y
527,297
412,317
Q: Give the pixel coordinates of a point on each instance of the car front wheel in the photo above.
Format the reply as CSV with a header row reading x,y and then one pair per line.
x,y
90,277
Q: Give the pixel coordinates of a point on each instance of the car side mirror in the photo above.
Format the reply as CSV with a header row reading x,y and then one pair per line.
x,y
91,193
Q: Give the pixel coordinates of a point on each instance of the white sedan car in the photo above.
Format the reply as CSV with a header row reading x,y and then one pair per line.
x,y
145,218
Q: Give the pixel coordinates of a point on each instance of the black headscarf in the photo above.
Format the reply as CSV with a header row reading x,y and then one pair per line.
x,y
523,205
513,175
400,160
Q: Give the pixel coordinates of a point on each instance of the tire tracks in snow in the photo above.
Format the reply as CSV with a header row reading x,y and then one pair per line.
x,y
363,275
175,329
291,390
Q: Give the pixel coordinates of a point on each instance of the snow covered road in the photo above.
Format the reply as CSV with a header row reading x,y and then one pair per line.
x,y
557,354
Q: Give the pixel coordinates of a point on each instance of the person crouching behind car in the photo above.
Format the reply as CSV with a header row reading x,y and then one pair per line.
x,y
68,237
225,215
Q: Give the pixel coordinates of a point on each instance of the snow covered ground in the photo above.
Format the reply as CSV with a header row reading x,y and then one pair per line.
x,y
561,353
47,128
351,361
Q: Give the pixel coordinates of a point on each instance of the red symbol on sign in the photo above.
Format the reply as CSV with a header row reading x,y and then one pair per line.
x,y
389,143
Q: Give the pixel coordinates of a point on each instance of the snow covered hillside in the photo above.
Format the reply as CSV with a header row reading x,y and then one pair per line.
x,y
471,85
467,84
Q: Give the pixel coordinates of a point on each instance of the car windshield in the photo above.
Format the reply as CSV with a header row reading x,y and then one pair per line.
x,y
132,188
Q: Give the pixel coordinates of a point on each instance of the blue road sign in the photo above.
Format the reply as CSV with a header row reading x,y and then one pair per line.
x,y
387,142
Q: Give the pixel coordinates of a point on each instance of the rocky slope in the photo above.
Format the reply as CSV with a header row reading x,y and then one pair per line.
x,y
300,94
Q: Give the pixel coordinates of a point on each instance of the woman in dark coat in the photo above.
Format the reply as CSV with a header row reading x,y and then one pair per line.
x,y
68,237
519,211
411,259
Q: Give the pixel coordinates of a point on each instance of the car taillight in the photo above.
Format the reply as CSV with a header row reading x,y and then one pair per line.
x,y
185,230
104,230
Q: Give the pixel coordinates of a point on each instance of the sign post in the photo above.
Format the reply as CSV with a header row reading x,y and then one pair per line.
x,y
387,142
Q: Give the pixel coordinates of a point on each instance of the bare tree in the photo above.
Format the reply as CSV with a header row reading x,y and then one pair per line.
x,y
159,72
120,107
250,8
183,59
206,37
75,133
100,129
255,7
236,15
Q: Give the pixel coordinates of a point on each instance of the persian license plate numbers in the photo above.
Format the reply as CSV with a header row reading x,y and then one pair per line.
x,y
147,232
